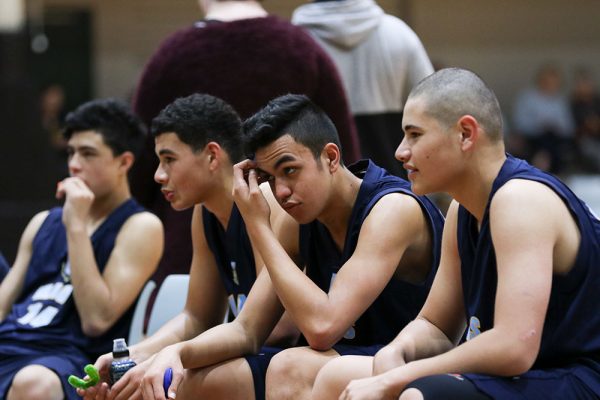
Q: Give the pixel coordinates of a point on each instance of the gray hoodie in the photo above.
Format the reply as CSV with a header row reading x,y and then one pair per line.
x,y
379,57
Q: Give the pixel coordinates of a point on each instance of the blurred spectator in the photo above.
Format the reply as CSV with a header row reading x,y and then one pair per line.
x,y
52,113
380,59
246,57
543,117
585,105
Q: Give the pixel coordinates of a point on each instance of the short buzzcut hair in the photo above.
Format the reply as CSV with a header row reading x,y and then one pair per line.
x,y
199,119
113,119
295,115
451,93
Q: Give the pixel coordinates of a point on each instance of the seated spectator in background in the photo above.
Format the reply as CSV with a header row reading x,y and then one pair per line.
x,y
52,113
520,262
198,138
246,57
4,267
379,58
80,267
585,105
543,117
376,268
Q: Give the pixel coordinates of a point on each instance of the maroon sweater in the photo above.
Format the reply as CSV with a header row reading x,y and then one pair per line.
x,y
246,63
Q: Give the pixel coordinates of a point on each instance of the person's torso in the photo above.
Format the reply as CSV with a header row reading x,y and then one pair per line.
x,y
400,301
45,311
233,254
572,326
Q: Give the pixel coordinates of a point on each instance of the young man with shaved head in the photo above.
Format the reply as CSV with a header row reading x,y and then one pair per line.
x,y
519,270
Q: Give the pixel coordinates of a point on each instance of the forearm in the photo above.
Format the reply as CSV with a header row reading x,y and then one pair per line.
x,y
90,292
309,307
220,343
490,353
9,291
418,340
179,329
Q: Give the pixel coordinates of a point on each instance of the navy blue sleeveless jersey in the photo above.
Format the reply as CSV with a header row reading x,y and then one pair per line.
x,y
570,343
234,256
45,311
400,301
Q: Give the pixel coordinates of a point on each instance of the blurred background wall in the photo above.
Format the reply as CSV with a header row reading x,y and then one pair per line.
x,y
97,48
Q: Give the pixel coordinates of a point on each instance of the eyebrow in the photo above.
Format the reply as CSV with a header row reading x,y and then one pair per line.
x,y
82,148
282,160
410,126
162,152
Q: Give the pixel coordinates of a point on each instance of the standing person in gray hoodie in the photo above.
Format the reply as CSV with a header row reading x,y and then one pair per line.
x,y
379,58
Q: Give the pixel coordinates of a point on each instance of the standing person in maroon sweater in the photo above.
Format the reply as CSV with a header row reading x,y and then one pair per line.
x,y
246,57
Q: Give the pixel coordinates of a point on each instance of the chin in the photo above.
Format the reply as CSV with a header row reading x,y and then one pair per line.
x,y
300,218
419,190
180,206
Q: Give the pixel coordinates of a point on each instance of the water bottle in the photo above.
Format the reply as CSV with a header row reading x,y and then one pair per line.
x,y
121,361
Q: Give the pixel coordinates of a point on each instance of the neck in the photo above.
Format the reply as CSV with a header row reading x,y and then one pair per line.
x,y
337,212
103,206
220,201
475,185
234,10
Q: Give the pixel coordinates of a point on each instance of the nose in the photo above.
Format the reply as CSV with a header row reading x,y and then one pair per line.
x,y
402,153
282,190
160,176
74,164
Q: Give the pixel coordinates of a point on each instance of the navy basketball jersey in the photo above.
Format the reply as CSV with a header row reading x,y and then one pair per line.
x,y
571,335
234,256
400,301
45,311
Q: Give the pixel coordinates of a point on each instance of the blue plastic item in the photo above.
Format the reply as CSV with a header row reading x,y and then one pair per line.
x,y
168,377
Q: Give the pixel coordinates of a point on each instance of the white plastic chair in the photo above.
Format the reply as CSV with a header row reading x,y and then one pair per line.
x,y
136,330
169,301
587,188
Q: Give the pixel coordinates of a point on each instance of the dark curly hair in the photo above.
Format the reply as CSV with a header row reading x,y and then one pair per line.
x,y
201,118
120,128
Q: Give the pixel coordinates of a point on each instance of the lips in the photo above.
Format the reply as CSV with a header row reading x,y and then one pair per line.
x,y
287,206
169,194
410,170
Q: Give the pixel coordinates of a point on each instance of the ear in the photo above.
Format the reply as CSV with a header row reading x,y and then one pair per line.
x,y
332,156
214,152
126,160
470,132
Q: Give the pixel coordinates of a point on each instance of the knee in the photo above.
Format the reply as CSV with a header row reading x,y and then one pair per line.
x,y
387,358
329,383
283,376
411,394
35,383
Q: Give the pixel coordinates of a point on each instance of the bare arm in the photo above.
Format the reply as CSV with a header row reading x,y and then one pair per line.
x,y
441,322
12,285
245,335
322,317
285,333
102,298
206,301
526,219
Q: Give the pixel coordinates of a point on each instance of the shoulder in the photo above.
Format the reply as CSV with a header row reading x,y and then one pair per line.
x,y
142,225
396,209
179,38
525,207
399,201
523,193
398,34
36,222
289,33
